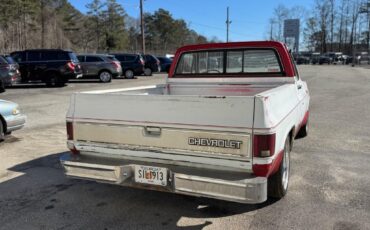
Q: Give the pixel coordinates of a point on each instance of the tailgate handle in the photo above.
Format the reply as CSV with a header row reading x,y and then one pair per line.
x,y
152,131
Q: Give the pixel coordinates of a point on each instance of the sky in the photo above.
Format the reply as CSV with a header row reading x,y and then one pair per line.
x,y
250,18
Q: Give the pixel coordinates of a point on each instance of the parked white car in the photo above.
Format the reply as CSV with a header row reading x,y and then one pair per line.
x,y
11,118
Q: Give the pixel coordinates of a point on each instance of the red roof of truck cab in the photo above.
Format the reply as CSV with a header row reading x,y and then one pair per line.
x,y
281,49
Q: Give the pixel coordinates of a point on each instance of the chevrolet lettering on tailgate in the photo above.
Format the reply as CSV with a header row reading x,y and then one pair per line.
x,y
218,143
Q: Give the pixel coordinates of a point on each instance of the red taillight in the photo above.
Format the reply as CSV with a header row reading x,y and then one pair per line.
x,y
69,131
116,64
71,146
264,145
71,66
74,151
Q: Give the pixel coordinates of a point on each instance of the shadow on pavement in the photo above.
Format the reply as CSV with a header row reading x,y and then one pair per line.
x,y
30,86
78,81
44,192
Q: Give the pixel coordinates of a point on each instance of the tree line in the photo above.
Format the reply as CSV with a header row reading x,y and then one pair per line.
x,y
329,26
105,27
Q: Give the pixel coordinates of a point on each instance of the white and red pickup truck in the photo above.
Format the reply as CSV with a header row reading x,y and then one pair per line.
x,y
222,126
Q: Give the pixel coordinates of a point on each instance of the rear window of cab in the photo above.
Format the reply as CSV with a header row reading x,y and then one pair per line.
x,y
241,62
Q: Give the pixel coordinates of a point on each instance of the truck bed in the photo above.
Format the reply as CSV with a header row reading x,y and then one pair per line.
x,y
209,107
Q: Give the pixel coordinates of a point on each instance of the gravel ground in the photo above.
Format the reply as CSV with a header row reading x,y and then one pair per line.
x,y
329,186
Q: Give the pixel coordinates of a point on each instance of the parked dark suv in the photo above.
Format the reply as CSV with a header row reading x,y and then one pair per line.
x,y
9,72
99,66
165,64
152,64
132,64
51,66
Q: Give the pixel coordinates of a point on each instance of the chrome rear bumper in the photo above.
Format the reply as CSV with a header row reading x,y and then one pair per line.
x,y
237,187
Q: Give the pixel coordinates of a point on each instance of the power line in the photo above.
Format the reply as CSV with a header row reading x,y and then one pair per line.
x,y
133,5
219,28
248,22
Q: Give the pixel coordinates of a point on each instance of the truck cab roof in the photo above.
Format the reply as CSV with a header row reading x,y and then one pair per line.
x,y
282,53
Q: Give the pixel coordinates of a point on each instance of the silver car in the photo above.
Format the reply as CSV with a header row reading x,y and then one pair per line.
x,y
11,118
99,66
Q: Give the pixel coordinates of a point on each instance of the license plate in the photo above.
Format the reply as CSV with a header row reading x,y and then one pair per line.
x,y
150,175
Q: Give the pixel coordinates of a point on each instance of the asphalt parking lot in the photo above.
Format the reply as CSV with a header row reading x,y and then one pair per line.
x,y
329,186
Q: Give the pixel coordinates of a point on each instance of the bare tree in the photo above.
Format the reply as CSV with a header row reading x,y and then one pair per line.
x,y
354,17
280,15
341,25
322,10
332,10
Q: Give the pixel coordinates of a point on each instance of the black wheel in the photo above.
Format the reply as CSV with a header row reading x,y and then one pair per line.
x,y
129,74
54,80
148,72
279,182
303,132
105,76
2,87
2,135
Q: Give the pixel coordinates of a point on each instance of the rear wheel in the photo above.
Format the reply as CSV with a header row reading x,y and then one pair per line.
x,y
278,183
303,132
129,74
148,72
105,76
54,80
2,135
2,87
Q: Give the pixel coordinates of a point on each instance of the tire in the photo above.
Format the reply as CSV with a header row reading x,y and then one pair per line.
x,y
54,80
2,87
303,132
279,182
2,135
148,72
105,76
129,74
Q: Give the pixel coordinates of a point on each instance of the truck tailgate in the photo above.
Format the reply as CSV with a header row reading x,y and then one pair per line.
x,y
199,112
204,124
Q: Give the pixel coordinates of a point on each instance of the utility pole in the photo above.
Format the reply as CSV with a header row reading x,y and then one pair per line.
x,y
42,6
365,9
142,27
228,22
368,32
